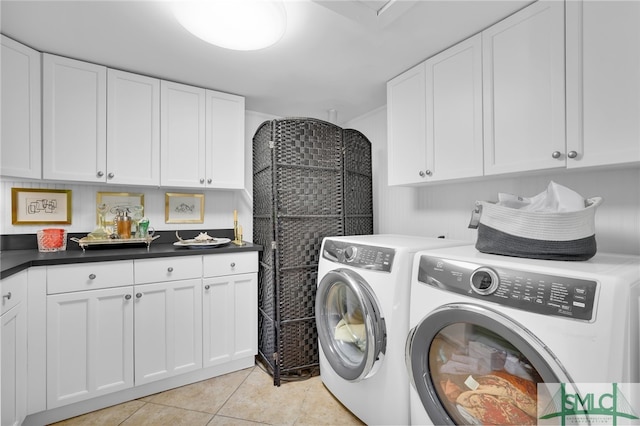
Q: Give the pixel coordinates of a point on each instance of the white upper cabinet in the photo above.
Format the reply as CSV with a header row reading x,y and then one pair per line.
x,y
603,83
454,112
225,140
74,118
202,138
182,136
21,150
133,129
524,92
406,127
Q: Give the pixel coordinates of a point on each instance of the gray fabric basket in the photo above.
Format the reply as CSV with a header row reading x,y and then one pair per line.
x,y
537,235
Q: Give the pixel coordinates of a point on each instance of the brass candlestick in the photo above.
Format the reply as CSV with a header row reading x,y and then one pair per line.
x,y
237,230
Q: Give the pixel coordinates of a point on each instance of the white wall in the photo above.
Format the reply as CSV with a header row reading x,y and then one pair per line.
x,y
445,209
219,204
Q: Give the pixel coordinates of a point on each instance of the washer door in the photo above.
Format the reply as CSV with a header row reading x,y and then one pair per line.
x,y
350,325
472,365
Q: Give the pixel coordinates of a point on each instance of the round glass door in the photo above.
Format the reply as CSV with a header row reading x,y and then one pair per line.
x,y
472,365
350,326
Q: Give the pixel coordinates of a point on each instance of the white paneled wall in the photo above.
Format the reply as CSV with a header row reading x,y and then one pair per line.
x,y
445,209
219,204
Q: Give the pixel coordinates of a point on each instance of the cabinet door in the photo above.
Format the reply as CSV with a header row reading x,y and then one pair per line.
x,y
603,83
182,136
225,140
168,329
406,127
13,332
230,318
74,96
21,148
454,112
89,344
133,129
523,83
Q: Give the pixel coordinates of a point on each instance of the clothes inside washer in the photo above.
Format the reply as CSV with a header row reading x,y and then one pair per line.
x,y
351,332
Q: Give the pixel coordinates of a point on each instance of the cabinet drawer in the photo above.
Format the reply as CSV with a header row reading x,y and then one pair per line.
x,y
89,276
168,269
13,290
230,263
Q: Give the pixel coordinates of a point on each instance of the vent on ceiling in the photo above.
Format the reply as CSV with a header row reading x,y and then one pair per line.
x,y
379,13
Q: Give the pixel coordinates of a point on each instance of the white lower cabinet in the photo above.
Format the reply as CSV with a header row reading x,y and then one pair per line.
x,y
168,329
137,326
13,353
230,318
230,307
89,344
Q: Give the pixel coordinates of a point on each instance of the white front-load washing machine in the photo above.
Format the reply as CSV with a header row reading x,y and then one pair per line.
x,y
362,318
487,329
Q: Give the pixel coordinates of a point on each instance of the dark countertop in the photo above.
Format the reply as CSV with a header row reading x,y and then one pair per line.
x,y
16,260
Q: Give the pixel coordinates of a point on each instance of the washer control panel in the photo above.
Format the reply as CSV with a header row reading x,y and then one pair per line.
x,y
359,256
531,291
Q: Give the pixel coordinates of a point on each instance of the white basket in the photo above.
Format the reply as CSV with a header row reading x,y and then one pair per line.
x,y
542,235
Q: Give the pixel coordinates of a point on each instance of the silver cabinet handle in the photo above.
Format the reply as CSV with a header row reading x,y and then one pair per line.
x,y
110,175
202,180
207,287
209,180
100,173
421,173
138,295
556,154
127,297
233,264
428,173
6,296
572,154
170,269
92,276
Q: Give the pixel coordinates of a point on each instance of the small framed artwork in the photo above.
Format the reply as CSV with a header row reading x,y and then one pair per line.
x,y
108,202
183,208
31,206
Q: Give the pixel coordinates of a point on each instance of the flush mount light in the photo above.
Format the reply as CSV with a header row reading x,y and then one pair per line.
x,y
233,24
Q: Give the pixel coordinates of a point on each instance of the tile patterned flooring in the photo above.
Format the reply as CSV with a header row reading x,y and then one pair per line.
x,y
245,397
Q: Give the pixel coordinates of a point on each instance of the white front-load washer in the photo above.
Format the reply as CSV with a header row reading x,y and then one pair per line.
x,y
362,318
487,329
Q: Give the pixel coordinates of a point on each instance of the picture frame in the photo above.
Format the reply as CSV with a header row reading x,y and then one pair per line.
x,y
183,208
114,199
40,206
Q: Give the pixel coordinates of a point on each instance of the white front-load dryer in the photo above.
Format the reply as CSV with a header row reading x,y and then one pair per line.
x,y
486,330
362,318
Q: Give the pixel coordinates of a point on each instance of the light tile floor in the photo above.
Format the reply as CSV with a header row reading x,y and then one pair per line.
x,y
245,397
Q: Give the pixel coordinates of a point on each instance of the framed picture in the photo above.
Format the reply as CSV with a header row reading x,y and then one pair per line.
x,y
30,206
108,202
183,208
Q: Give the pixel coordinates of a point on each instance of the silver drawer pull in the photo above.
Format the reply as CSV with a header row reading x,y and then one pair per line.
x,y
92,276
207,287
233,264
7,296
170,269
138,295
127,297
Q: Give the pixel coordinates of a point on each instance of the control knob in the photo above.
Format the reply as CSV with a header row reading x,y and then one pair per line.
x,y
350,253
484,281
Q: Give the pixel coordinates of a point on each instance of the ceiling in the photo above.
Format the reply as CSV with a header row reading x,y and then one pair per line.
x,y
335,55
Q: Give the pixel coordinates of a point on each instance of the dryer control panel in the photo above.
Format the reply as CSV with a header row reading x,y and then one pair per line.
x,y
531,291
359,256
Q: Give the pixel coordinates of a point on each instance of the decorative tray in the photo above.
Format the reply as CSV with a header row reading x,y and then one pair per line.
x,y
113,242
195,244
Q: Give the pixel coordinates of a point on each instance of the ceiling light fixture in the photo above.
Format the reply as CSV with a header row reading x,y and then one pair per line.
x,y
233,24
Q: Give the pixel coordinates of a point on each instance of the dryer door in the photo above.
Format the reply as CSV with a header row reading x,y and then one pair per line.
x,y
472,365
350,325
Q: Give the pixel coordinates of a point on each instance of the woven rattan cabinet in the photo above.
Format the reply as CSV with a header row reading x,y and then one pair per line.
x,y
311,179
